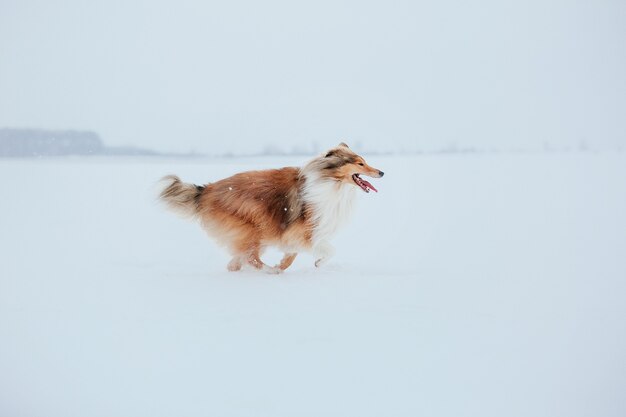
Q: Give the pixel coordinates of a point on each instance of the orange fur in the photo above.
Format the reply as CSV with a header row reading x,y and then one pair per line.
x,y
253,210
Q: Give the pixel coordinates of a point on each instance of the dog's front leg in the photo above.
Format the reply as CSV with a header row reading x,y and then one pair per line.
x,y
322,252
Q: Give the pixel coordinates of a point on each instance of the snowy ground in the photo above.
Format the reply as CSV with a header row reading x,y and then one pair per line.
x,y
477,285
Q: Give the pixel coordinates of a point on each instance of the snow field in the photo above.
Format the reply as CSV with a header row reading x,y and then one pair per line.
x,y
470,285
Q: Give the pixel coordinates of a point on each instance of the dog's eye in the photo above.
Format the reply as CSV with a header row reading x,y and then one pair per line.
x,y
361,163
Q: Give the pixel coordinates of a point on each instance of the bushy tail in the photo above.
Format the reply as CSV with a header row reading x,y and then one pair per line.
x,y
181,197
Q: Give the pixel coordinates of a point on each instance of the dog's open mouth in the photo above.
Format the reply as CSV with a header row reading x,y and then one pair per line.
x,y
365,186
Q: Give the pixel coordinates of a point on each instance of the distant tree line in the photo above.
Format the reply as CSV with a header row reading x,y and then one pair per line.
x,y
40,142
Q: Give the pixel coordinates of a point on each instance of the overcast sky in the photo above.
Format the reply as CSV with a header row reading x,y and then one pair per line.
x,y
244,75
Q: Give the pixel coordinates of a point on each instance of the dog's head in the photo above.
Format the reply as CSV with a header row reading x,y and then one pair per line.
x,y
342,164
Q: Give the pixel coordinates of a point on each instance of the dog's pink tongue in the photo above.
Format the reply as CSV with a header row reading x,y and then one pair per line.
x,y
369,185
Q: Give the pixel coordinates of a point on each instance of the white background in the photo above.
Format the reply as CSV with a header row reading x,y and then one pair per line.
x,y
246,76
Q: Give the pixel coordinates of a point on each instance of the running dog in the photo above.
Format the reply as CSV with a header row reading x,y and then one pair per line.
x,y
293,209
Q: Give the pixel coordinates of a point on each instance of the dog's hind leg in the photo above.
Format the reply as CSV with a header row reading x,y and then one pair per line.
x,y
248,249
255,261
287,260
235,264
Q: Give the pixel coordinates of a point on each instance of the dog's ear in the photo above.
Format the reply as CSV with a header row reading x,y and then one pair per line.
x,y
344,145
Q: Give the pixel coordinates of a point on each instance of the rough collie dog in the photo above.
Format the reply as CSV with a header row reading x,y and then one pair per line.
x,y
293,209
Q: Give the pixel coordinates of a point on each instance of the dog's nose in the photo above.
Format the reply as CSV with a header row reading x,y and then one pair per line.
x,y
381,173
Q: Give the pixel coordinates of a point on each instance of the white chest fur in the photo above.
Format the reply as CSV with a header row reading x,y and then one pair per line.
x,y
331,205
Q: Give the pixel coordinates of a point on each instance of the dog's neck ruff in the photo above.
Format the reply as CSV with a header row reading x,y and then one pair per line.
x,y
330,204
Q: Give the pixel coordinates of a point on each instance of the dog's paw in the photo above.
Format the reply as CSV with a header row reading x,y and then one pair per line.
x,y
234,265
273,270
323,251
